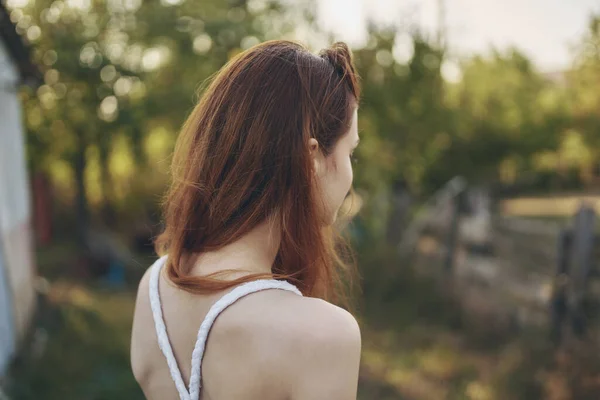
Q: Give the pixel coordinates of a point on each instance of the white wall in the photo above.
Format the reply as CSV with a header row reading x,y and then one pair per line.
x,y
16,267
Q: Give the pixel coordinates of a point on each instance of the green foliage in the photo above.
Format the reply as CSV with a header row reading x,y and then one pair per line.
x,y
401,111
119,74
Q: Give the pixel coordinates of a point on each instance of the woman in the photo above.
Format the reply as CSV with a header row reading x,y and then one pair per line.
x,y
260,169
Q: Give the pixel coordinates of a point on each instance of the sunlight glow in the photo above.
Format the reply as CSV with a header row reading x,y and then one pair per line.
x,y
17,3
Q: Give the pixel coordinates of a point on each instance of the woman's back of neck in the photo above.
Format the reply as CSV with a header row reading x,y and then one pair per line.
x,y
253,253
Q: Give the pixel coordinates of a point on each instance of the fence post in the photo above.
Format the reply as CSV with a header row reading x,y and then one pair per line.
x,y
558,303
581,266
452,243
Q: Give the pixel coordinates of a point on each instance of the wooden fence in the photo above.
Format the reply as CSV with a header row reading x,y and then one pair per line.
x,y
537,272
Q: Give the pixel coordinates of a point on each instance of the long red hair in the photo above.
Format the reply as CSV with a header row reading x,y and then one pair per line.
x,y
242,156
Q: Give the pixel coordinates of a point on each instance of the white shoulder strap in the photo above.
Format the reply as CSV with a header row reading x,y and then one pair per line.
x,y
216,309
161,329
224,302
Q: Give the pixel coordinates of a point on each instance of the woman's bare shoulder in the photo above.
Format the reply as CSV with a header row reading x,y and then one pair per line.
x,y
317,320
297,319
316,347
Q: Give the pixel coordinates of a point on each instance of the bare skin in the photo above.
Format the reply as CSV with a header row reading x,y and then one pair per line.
x,y
269,345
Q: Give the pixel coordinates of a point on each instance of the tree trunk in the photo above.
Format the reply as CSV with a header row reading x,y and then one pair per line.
x,y
108,211
81,201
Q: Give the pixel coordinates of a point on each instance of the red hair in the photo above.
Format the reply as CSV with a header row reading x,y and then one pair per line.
x,y
242,156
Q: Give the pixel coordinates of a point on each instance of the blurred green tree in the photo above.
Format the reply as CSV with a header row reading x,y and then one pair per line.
x,y
118,71
121,76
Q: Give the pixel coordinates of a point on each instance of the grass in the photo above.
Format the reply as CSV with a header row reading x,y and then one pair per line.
x,y
79,346
557,206
417,343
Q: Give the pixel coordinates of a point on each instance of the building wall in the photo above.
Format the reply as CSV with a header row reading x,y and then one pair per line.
x,y
7,334
16,264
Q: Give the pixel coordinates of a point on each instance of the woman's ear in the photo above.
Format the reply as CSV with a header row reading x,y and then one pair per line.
x,y
313,147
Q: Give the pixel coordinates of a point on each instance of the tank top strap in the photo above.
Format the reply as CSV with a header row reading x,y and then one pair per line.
x,y
161,329
217,308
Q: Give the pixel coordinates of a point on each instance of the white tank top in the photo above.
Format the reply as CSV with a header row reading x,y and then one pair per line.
x,y
193,392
